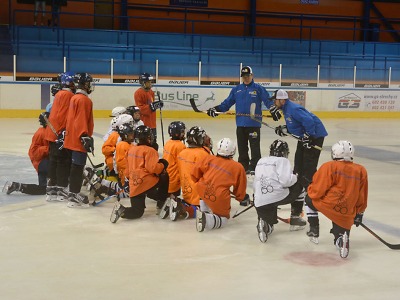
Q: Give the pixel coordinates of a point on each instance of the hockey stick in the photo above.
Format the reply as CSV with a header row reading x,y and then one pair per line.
x,y
244,210
196,109
161,121
95,167
50,125
253,117
391,246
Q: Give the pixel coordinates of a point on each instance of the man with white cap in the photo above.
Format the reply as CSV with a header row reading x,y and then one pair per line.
x,y
310,131
247,129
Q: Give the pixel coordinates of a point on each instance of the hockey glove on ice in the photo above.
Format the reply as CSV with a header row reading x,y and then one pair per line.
x,y
88,143
306,140
275,113
245,201
358,219
156,105
212,112
281,130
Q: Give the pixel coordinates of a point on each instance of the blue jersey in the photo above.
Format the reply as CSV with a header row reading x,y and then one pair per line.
x,y
243,96
300,121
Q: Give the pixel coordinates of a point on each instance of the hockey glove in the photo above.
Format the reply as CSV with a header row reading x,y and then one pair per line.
x,y
358,219
281,130
156,105
245,201
88,143
212,112
164,162
306,140
275,113
60,140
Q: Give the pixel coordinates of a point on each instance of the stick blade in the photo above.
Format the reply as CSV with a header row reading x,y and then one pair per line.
x,y
193,104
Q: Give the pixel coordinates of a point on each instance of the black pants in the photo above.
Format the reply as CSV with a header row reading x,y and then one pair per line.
x,y
269,212
306,161
158,192
59,165
248,136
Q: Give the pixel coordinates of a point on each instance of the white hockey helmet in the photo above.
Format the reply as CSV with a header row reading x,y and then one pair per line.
x,y
226,148
281,94
120,120
116,111
342,150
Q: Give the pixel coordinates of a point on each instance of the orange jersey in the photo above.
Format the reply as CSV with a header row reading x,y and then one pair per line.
x,y
142,169
339,190
171,150
142,99
108,149
39,148
186,160
214,176
121,150
79,122
58,115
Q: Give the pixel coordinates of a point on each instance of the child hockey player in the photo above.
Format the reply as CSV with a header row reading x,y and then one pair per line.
x,y
125,131
172,148
213,177
339,190
199,145
275,184
134,111
147,175
38,153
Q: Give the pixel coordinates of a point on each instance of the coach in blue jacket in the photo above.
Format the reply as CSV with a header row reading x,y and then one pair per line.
x,y
247,130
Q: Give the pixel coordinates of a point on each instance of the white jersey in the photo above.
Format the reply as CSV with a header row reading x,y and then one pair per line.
x,y
137,124
272,179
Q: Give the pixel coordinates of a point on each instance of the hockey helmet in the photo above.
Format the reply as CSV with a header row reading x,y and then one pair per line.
x,y
176,130
226,147
343,150
195,136
84,81
134,111
67,80
143,135
125,130
121,120
279,148
55,89
42,118
145,77
116,111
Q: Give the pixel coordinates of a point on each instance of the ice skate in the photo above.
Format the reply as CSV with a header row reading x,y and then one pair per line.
x,y
313,234
164,212
87,175
200,221
117,212
77,200
343,244
264,229
62,193
51,193
10,187
297,223
177,209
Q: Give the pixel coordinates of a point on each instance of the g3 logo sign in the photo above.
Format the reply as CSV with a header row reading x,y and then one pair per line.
x,y
349,103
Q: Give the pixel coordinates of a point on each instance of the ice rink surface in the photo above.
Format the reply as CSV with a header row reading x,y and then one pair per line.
x,y
50,251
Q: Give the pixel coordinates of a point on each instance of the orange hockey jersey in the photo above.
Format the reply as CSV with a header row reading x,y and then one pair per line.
x,y
186,160
171,150
339,190
79,122
58,115
39,148
142,169
142,99
213,177
121,151
108,149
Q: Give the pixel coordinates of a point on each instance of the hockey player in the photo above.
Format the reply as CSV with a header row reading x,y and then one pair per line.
x,y
199,145
310,131
339,190
116,111
125,131
78,138
275,184
213,177
59,157
38,153
134,111
172,148
147,176
247,130
144,99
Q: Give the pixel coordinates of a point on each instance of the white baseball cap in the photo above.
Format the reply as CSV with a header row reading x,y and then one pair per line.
x,y
281,94
116,111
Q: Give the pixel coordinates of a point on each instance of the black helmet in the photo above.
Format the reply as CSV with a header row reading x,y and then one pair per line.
x,y
145,77
143,135
55,89
195,136
84,81
124,130
176,130
42,118
279,148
